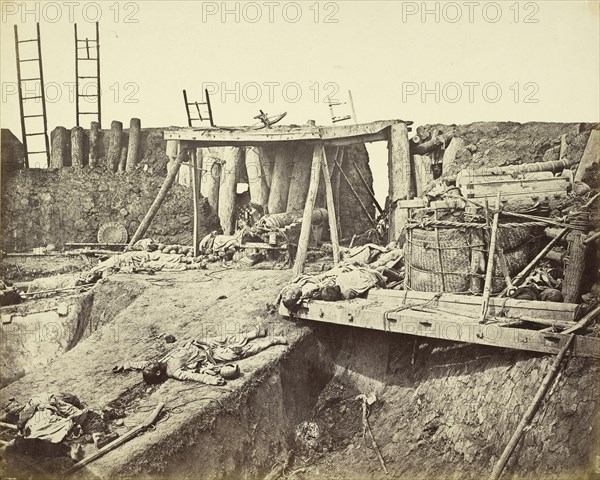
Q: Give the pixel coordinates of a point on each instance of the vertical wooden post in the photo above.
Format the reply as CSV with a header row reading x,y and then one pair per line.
x,y
300,180
333,230
259,190
337,175
114,150
122,160
135,127
211,178
60,154
196,199
315,173
399,172
280,181
575,265
77,147
227,190
94,144
162,193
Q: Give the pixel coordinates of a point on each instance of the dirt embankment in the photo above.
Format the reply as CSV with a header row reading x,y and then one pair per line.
x,y
447,410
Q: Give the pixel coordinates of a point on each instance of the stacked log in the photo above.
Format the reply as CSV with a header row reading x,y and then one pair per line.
x,y
59,154
114,150
228,188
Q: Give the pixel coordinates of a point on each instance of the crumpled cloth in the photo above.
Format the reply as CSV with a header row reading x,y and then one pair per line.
x,y
358,281
47,417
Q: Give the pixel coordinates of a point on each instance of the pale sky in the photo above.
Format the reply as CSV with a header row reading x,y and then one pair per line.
x,y
430,62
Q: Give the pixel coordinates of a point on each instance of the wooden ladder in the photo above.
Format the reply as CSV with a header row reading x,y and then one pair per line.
x,y
341,118
38,77
206,117
90,52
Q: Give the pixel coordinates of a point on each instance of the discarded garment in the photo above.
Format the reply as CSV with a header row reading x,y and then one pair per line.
x,y
48,417
358,281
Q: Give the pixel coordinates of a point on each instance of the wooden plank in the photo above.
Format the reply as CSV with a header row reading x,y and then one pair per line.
x,y
515,186
365,314
315,173
333,230
466,176
331,135
471,304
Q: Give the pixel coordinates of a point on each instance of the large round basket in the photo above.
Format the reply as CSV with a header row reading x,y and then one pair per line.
x,y
453,259
112,232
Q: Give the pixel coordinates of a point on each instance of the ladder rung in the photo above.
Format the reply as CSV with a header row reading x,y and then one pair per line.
x,y
32,116
88,113
32,153
30,60
32,98
79,59
88,40
37,133
81,95
88,77
31,40
29,79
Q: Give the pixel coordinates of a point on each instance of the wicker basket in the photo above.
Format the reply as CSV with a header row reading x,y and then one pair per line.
x,y
453,260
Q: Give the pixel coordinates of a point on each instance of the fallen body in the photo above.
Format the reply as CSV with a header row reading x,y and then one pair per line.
x,y
206,361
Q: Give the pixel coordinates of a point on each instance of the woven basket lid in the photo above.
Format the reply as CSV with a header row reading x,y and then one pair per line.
x,y
112,232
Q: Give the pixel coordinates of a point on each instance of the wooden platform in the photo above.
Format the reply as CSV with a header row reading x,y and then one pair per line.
x,y
338,135
432,316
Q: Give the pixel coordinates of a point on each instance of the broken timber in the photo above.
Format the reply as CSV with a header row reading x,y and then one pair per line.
x,y
404,312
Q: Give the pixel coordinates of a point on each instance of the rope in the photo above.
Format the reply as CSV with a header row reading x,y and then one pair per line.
x,y
452,224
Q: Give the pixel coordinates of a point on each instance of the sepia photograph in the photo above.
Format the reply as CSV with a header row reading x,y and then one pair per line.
x,y
296,240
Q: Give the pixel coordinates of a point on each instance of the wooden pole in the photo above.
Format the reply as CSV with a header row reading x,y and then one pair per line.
x,y
300,180
227,190
487,288
531,411
523,273
315,173
585,321
338,161
196,199
114,149
94,144
280,180
333,230
60,148
135,127
399,173
77,147
160,197
574,267
119,441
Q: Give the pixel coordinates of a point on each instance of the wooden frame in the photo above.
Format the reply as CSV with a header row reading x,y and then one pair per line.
x,y
395,132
